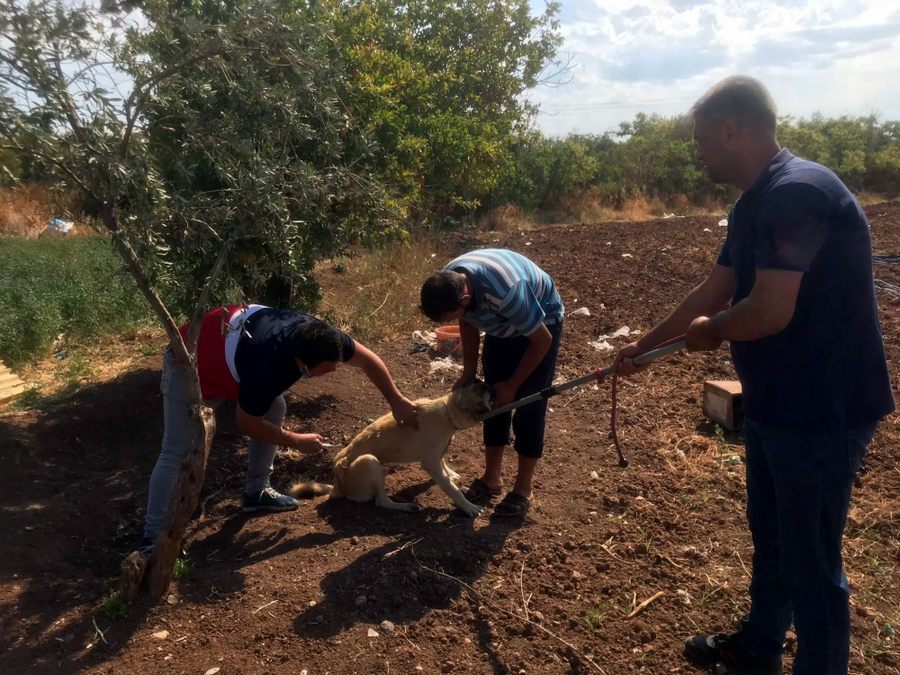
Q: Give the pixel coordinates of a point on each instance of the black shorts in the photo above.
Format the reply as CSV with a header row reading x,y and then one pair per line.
x,y
500,358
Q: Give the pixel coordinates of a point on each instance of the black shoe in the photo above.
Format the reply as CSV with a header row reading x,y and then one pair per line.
x,y
725,655
269,500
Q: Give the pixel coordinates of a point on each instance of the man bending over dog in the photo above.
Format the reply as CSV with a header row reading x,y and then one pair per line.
x,y
516,304
252,354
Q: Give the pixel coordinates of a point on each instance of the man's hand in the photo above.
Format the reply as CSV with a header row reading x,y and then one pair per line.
x,y
307,443
463,380
405,412
700,337
504,394
624,364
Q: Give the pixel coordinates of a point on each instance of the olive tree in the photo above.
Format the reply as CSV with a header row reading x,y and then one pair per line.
x,y
215,152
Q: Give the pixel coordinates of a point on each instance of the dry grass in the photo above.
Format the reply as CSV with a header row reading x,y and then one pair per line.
x,y
871,555
25,211
374,295
866,198
104,359
503,218
92,361
590,206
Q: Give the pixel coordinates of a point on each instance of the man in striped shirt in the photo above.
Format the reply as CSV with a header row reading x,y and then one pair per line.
x,y
515,303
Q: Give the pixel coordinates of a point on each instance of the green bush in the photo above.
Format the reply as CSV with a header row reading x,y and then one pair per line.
x,y
655,156
75,286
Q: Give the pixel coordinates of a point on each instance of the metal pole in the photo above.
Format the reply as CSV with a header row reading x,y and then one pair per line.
x,y
598,374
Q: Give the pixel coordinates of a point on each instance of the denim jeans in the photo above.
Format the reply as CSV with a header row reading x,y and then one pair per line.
x,y
177,441
798,493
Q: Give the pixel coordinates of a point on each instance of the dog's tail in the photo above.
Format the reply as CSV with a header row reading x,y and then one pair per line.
x,y
309,489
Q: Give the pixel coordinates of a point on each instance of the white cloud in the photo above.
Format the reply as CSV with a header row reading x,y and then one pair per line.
x,y
657,56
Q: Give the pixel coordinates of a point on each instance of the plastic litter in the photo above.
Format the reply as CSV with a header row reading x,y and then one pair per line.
x,y
445,365
59,226
624,331
601,345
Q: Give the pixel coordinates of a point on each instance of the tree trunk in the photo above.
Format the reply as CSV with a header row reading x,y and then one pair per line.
x,y
159,568
186,495
183,503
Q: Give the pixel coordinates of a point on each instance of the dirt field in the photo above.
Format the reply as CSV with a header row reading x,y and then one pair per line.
x,y
304,591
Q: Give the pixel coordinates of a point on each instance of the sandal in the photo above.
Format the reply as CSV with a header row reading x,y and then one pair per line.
x,y
479,491
513,505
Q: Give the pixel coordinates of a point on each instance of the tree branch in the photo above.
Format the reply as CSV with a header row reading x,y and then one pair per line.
x,y
19,82
65,98
203,300
89,67
562,68
52,160
142,90
179,349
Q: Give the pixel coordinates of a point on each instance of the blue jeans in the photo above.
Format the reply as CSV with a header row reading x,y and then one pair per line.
x,y
798,493
177,441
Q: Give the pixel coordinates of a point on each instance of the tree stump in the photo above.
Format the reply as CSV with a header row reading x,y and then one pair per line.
x,y
133,569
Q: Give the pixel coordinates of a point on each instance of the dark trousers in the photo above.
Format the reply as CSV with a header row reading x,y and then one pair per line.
x,y
500,358
798,493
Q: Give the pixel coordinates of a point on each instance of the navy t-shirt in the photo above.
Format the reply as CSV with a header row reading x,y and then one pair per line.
x,y
826,370
264,362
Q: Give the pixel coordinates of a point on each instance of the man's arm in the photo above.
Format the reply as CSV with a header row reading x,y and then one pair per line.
x,y
538,345
766,311
710,297
791,229
264,431
470,342
369,362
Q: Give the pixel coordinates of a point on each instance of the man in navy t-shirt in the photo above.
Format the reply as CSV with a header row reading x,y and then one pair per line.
x,y
252,355
806,342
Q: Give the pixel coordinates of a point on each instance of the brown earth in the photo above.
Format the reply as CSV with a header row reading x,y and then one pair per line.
x,y
301,591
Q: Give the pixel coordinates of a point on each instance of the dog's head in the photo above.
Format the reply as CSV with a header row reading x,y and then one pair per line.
x,y
470,402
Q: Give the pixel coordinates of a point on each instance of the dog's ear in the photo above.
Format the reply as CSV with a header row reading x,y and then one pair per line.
x,y
486,390
478,394
487,399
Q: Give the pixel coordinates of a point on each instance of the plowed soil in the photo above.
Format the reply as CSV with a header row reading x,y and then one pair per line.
x,y
562,592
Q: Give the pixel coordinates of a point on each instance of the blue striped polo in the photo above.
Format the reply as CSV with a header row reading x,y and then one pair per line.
x,y
511,295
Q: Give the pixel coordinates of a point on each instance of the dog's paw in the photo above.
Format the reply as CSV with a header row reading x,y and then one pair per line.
x,y
412,507
471,510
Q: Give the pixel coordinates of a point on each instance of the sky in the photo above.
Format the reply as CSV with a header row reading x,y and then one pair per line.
x,y
659,56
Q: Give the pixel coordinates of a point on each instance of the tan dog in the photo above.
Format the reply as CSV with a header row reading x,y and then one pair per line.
x,y
359,467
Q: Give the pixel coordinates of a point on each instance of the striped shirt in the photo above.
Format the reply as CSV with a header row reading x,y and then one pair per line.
x,y
511,296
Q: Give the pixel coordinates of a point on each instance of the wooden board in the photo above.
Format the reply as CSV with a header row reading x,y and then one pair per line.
x,y
10,384
722,402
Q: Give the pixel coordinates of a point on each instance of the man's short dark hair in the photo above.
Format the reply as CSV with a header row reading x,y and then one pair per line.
x,y
442,293
315,342
739,97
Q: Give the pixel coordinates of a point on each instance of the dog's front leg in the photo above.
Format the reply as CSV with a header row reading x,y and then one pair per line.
x,y
450,472
435,469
